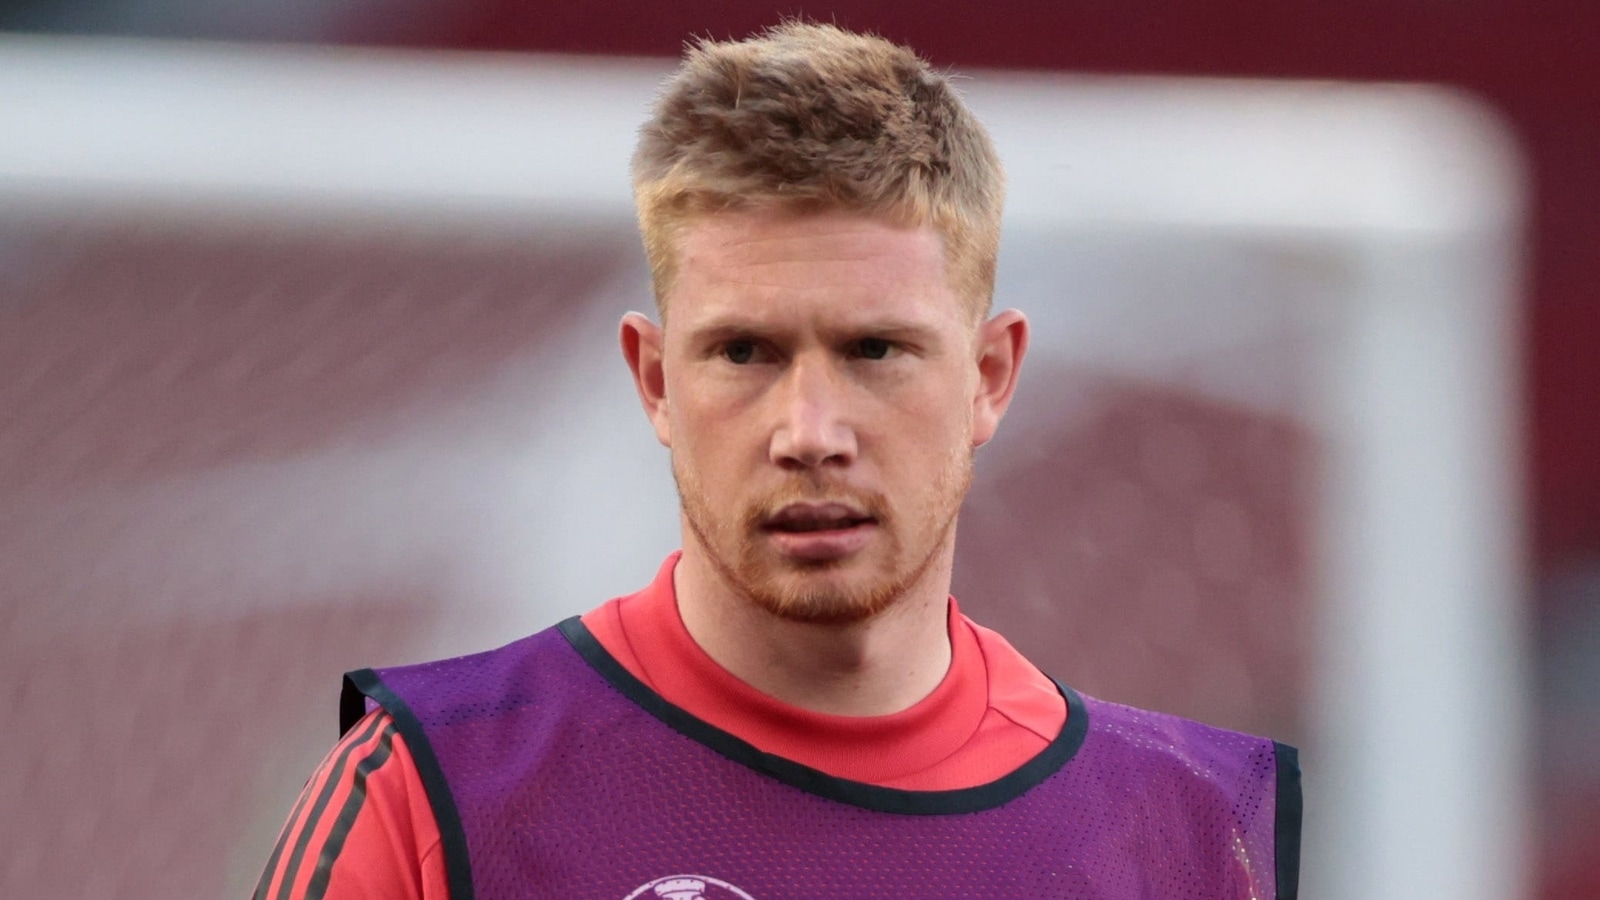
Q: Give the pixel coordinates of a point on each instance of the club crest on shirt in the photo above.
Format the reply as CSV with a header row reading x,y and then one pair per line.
x,y
688,887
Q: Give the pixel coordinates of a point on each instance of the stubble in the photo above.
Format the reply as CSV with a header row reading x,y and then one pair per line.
x,y
824,592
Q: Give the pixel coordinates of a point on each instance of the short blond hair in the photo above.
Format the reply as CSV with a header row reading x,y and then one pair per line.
x,y
811,118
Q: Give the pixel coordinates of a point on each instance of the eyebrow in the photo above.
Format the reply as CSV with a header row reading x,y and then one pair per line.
x,y
728,327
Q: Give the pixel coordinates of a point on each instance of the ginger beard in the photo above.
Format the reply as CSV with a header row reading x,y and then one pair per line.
x,y
832,592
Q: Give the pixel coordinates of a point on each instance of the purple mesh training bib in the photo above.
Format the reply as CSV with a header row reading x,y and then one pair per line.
x,y
553,772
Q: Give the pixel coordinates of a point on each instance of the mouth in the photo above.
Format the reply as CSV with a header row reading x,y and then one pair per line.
x,y
807,518
820,533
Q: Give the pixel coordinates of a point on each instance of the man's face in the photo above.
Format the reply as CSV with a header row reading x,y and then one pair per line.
x,y
819,379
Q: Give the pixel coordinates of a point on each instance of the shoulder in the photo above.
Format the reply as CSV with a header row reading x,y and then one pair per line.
x,y
365,808
1153,737
551,681
509,674
1178,763
1232,797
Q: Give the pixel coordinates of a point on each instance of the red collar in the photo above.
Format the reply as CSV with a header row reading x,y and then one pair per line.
x,y
646,634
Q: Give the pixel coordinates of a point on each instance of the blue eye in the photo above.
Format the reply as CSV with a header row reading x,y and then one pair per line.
x,y
873,348
739,352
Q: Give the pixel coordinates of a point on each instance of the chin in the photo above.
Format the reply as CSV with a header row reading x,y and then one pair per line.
x,y
826,596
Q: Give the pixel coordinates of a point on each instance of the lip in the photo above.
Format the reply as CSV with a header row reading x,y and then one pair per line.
x,y
801,511
824,546
821,545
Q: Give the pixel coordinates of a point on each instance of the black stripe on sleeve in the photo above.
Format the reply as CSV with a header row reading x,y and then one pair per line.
x,y
452,836
283,838
309,822
347,815
1286,824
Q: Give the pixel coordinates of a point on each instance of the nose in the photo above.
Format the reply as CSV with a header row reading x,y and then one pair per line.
x,y
813,427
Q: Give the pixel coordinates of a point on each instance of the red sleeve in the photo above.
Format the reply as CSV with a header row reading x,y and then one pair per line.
x,y
361,829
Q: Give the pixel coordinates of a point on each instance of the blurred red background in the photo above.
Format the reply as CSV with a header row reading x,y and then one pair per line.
x,y
1536,63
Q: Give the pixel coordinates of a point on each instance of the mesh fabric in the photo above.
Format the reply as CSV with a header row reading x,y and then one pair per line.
x,y
566,786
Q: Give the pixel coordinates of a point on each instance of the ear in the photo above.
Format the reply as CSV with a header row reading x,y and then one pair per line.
x,y
641,347
1001,343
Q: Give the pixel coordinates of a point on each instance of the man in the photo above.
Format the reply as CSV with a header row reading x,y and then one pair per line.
x,y
796,706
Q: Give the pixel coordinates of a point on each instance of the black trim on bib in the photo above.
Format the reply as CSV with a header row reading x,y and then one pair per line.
x,y
452,837
1286,823
855,793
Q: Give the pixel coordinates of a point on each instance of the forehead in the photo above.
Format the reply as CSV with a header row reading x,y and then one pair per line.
x,y
845,264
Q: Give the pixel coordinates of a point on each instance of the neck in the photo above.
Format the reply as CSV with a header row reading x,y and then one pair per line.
x,y
871,668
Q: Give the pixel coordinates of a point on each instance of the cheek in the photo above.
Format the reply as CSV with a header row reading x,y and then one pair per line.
x,y
938,415
705,436
922,448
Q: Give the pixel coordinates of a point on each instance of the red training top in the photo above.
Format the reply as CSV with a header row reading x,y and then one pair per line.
x,y
992,712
